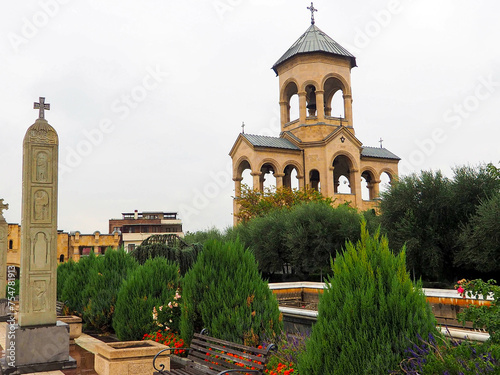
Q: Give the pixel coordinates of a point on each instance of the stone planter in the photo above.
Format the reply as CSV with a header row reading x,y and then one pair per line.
x,y
75,326
129,357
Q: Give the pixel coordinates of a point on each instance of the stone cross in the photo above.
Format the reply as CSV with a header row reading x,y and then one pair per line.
x,y
42,106
3,207
243,128
312,9
380,141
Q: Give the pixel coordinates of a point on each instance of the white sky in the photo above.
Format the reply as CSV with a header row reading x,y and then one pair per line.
x,y
173,81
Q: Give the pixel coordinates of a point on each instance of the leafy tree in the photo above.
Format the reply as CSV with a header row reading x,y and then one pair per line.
x,y
429,211
152,284
184,257
368,312
225,293
254,203
480,238
204,236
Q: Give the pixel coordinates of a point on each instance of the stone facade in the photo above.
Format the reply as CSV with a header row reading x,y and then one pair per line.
x,y
317,149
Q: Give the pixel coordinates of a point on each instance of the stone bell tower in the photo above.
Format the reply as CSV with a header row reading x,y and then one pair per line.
x,y
317,146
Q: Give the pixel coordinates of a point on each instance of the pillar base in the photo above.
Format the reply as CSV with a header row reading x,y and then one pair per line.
x,y
36,349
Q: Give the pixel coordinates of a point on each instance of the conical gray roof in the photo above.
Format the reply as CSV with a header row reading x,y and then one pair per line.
x,y
315,40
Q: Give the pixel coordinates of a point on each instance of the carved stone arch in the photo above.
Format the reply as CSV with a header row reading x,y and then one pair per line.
x,y
344,165
373,171
238,170
309,82
286,89
346,154
346,88
369,191
389,171
276,166
288,167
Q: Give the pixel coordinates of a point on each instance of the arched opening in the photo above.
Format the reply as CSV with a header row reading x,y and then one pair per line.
x,y
290,179
334,98
292,99
61,258
311,100
342,178
293,108
367,186
337,105
385,182
244,172
11,244
314,180
267,179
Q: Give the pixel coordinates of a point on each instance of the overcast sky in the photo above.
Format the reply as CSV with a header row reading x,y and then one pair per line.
x,y
148,96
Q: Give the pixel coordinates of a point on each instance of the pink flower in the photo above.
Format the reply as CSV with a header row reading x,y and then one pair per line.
x,y
460,290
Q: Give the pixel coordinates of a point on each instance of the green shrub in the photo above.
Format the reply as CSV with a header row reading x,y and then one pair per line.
x,y
101,290
64,270
184,257
73,288
368,312
225,293
150,285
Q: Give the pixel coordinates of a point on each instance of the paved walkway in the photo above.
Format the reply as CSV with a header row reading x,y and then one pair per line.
x,y
84,341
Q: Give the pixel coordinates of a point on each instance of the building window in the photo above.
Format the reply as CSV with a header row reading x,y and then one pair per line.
x,y
131,247
11,244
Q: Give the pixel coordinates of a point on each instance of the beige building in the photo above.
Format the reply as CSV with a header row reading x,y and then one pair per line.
x,y
315,149
69,245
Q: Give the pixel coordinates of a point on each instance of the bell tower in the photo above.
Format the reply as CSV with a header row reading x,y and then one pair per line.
x,y
315,68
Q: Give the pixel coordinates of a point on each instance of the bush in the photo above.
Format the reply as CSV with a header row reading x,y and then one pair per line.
x,y
225,293
73,288
101,290
368,311
147,286
64,270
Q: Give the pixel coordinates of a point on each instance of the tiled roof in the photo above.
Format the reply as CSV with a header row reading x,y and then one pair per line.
x,y
378,152
274,142
315,40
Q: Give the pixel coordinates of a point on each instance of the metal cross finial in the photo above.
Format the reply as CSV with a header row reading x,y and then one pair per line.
x,y
381,140
242,128
42,106
3,207
312,9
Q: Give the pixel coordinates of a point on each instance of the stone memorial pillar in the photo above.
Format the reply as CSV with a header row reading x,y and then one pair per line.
x,y
39,342
4,231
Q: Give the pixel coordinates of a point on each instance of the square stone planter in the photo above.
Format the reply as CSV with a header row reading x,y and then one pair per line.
x,y
75,326
129,357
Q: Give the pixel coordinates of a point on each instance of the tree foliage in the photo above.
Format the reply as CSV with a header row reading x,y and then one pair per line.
x,y
225,293
304,236
368,312
254,203
184,257
428,212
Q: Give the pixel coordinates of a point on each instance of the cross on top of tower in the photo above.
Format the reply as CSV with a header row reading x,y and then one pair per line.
x,y
243,128
3,207
312,9
42,106
381,140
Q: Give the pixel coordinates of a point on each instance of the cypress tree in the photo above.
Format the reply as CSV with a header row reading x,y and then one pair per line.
x,y
369,311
